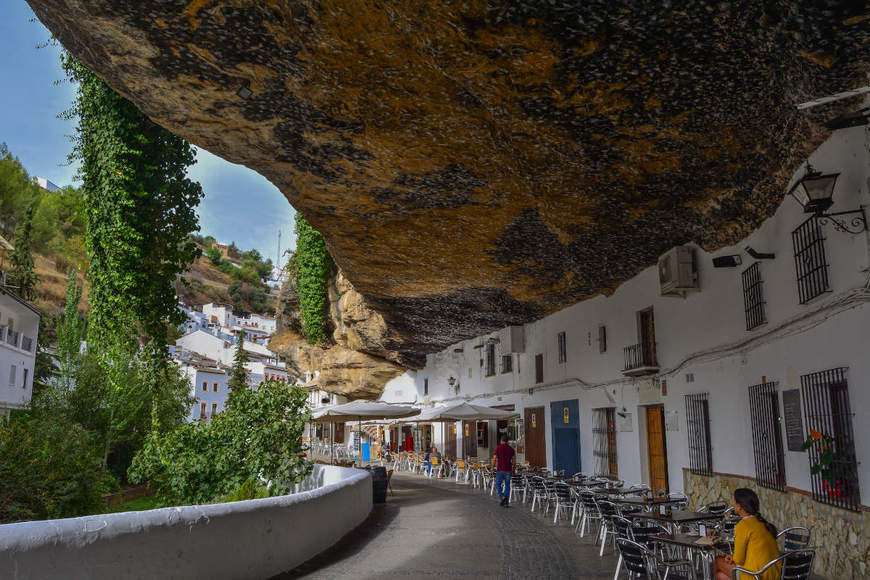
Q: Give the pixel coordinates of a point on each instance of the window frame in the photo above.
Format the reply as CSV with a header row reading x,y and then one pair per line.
x,y
489,369
767,447
539,368
562,345
811,264
604,446
205,386
698,432
509,367
753,296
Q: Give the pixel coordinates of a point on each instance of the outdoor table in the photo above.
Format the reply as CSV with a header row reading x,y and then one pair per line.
x,y
690,543
676,518
645,502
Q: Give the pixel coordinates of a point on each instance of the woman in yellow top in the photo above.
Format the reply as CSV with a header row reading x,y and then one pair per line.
x,y
754,540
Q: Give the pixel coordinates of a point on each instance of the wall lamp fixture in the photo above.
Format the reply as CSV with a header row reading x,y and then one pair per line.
x,y
815,193
727,261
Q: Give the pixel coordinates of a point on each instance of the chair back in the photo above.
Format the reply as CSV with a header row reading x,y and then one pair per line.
x,y
717,508
795,538
562,491
641,533
622,525
797,564
588,500
635,557
607,508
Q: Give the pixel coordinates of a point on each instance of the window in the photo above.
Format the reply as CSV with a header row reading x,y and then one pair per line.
x,y
12,370
204,386
490,359
202,415
425,387
24,382
811,265
753,298
825,398
506,363
539,368
698,420
604,442
215,387
602,338
214,409
766,436
563,349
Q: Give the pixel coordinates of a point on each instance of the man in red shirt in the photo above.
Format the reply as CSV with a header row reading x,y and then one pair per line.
x,y
503,461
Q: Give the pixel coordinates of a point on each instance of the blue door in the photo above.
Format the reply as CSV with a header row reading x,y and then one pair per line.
x,y
566,435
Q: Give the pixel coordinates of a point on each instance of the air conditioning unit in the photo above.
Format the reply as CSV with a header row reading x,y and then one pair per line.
x,y
677,272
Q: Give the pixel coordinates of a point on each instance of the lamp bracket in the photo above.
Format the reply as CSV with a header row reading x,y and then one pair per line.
x,y
854,225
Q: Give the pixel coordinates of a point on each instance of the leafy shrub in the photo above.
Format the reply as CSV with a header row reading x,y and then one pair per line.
x,y
214,255
249,489
258,436
51,468
314,267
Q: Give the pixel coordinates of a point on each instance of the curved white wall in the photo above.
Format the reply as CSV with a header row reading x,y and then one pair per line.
x,y
248,539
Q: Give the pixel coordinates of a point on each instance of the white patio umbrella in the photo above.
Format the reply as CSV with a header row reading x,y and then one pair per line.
x,y
368,410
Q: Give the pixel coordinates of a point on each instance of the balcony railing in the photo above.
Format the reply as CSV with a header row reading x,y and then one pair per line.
x,y
640,359
12,337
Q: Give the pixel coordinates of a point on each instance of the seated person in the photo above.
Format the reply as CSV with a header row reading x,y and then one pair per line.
x,y
754,540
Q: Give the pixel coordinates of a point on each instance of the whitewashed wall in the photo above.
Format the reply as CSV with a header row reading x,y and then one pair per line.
x,y
703,334
16,394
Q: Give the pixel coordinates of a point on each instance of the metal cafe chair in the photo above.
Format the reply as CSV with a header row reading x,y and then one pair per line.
x,y
796,565
795,538
640,561
591,513
563,500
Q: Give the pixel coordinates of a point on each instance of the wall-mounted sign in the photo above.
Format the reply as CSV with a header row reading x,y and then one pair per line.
x,y
794,431
454,428
625,422
672,420
566,415
534,421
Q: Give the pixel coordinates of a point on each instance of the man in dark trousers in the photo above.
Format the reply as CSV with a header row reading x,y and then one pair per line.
x,y
503,461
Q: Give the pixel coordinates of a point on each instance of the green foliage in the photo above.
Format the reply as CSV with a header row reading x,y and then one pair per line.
x,y
258,436
314,267
17,191
238,380
50,469
249,489
140,213
70,333
214,255
22,273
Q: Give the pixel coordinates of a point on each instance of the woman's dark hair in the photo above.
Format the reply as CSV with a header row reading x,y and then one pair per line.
x,y
748,500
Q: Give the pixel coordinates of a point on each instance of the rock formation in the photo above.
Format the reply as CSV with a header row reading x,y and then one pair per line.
x,y
356,363
478,164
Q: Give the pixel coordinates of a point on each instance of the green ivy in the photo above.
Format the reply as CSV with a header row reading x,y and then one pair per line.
x,y
313,266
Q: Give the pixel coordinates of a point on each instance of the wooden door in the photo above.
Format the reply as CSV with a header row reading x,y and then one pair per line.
x,y
450,440
656,448
536,443
469,439
394,439
646,330
612,464
339,432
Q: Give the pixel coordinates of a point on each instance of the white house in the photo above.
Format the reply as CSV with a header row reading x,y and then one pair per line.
x,y
219,314
715,386
208,386
19,326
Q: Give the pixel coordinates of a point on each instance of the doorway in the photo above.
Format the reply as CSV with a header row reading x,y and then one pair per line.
x,y
535,429
646,336
469,439
450,440
657,451
566,436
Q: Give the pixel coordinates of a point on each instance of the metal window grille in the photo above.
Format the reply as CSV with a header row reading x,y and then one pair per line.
x,y
811,265
490,360
602,338
604,442
425,386
563,348
698,420
506,363
753,297
767,436
825,397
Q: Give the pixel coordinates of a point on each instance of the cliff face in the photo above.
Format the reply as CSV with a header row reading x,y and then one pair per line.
x,y
478,164
356,364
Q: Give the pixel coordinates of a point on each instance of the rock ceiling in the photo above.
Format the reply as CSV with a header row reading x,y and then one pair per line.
x,y
477,164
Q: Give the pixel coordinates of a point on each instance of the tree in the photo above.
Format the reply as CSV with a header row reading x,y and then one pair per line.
x,y
314,267
214,255
23,274
70,333
238,373
257,437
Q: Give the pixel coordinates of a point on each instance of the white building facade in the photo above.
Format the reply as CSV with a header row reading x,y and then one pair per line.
x,y
710,391
19,326
209,387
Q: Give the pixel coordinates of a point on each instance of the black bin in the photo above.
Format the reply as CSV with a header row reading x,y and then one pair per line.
x,y
379,484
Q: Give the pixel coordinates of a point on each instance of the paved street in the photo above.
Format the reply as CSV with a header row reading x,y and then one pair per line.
x,y
437,528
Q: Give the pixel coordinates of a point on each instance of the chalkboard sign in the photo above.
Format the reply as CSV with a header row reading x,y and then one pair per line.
x,y
794,431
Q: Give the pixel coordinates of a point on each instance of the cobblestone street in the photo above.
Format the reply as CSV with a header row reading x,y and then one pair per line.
x,y
441,529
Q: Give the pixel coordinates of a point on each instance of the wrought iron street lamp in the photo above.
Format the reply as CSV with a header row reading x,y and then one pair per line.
x,y
815,193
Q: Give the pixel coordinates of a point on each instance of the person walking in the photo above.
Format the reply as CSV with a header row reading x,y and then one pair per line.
x,y
503,461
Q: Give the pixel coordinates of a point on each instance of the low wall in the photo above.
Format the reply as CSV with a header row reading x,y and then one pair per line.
x,y
840,536
246,539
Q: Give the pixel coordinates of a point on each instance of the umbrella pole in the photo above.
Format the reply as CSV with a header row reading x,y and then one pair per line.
x,y
332,442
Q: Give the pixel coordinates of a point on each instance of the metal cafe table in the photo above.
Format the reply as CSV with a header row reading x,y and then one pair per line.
x,y
647,503
706,549
675,519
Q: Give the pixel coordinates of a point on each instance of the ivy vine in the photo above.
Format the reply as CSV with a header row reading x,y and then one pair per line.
x,y
313,267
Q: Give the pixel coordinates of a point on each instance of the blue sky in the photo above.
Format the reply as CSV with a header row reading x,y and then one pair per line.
x,y
239,204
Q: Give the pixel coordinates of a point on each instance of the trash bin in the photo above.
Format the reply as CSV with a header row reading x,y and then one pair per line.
x,y
379,484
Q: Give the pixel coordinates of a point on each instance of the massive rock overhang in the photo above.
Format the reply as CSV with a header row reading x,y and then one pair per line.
x,y
478,164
